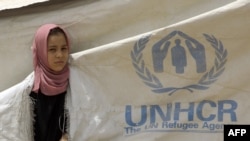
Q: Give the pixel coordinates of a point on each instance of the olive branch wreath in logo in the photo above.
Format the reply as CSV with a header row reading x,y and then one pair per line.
x,y
152,81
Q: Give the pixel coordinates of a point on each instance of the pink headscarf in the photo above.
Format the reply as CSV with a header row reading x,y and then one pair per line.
x,y
48,81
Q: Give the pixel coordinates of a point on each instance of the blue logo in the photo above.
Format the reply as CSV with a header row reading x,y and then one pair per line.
x,y
172,44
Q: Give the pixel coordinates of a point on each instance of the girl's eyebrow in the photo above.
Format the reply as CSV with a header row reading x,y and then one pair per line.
x,y
52,46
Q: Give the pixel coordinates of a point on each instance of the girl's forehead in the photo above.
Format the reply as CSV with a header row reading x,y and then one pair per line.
x,y
57,40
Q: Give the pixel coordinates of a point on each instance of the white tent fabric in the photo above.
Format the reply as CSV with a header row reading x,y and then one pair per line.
x,y
7,4
91,23
183,81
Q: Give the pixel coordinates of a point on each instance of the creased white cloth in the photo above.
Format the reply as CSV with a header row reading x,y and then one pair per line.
x,y
133,90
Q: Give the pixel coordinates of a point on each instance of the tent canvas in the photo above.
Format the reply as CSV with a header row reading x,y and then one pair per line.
x,y
135,89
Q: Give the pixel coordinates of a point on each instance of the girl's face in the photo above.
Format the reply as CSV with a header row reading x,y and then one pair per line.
x,y
58,52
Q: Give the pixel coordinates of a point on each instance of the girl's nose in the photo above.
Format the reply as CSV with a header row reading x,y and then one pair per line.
x,y
59,53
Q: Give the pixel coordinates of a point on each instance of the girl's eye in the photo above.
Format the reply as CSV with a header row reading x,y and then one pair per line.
x,y
52,49
64,48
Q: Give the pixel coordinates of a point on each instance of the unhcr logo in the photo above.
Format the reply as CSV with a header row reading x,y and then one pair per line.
x,y
176,46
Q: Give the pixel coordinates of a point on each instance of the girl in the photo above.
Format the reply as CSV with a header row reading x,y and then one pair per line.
x,y
51,80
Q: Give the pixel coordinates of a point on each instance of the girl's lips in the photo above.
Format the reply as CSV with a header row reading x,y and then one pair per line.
x,y
59,62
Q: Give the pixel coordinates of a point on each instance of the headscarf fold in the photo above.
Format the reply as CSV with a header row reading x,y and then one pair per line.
x,y
47,81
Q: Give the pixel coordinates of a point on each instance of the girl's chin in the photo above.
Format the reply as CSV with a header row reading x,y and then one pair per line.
x,y
57,69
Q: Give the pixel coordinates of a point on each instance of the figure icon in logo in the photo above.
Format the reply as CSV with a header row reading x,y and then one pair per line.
x,y
197,51
179,59
159,51
178,52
